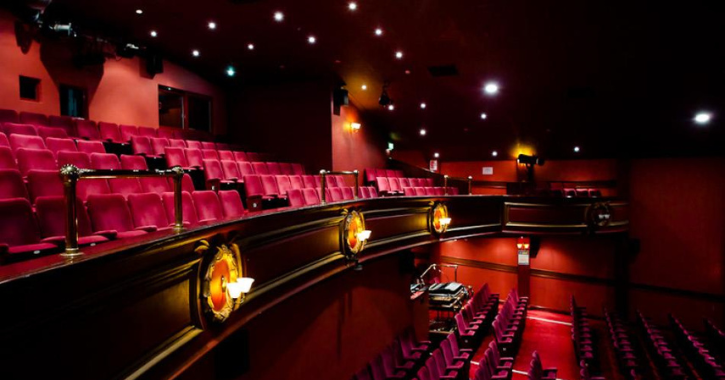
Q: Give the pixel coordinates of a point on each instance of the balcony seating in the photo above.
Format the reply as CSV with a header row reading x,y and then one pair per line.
x,y
12,185
44,183
175,157
19,232
110,132
190,217
78,159
627,359
36,119
26,141
56,145
660,350
87,130
210,154
128,132
194,157
148,184
260,168
65,123
159,145
110,212
214,174
147,132
177,143
142,146
51,213
90,146
697,351
46,132
35,159
8,116
583,339
19,129
193,144
536,370
208,207
231,202
147,209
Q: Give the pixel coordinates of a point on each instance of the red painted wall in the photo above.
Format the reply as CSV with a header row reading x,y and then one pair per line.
x,y
356,150
119,91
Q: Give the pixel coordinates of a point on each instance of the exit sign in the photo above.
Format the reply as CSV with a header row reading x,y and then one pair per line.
x,y
487,170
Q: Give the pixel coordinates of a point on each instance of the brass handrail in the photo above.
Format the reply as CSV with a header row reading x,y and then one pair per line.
x,y
70,175
323,182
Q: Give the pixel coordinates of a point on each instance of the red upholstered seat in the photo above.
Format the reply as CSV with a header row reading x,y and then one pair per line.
x,y
232,206
7,160
296,182
383,184
336,194
208,145
90,146
177,143
148,184
311,196
19,129
128,132
364,192
166,133
26,141
175,157
260,168
36,119
253,157
19,232
308,182
159,145
44,183
105,161
147,132
296,198
142,145
419,191
8,116
283,183
51,214
254,187
226,155
65,123
109,212
56,145
194,157
273,168
347,193
430,191
231,170
147,209
240,156
270,186
298,169
187,205
35,159
193,144
286,168
12,185
214,173
373,192
79,159
210,154
87,129
208,207
4,140
110,132
46,132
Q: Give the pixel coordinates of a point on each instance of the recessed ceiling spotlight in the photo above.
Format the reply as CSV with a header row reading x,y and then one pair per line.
x,y
494,153
231,71
391,107
423,132
352,6
378,32
195,53
491,88
278,16
364,87
703,118
436,155
311,39
212,25
407,72
423,105
153,33
576,149
483,116
399,54
250,47
139,11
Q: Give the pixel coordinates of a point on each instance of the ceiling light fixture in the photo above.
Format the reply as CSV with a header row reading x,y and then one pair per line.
x,y
311,40
231,71
352,6
212,25
195,53
483,116
250,47
423,105
391,107
576,149
153,33
423,132
384,97
436,155
703,118
278,16
379,32
494,153
364,87
491,88
399,55
139,11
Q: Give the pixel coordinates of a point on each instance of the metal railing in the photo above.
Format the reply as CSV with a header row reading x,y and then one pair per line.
x,y
70,175
469,179
323,182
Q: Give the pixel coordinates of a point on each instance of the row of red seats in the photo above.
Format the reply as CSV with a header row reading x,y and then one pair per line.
x,y
54,144
229,171
627,359
398,360
447,362
583,338
508,327
25,232
410,187
37,175
493,365
668,365
697,351
371,174
311,197
476,316
537,370
90,130
716,337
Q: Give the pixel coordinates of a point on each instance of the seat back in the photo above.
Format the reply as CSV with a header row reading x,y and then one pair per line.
x,y
35,159
213,170
270,185
245,168
348,193
12,185
128,132
273,168
175,157
90,146
283,184
142,145
193,144
19,129
286,168
231,202
336,194
364,192
296,182
159,145
226,155
147,209
17,224
26,141
8,116
110,132
44,183
177,143
52,217
308,182
87,129
207,205
109,212
383,185
33,118
253,185
295,197
208,145
4,140
105,161
210,154
311,196
187,208
231,170
56,145
147,131
194,157
78,159
240,156
298,169
260,168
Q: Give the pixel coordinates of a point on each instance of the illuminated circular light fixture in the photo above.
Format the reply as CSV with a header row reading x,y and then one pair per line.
x,y
399,55
212,25
494,153
391,107
352,6
364,87
195,53
576,149
423,132
354,234
423,105
231,71
278,16
702,118
378,32
222,282
139,11
436,155
439,218
311,40
153,33
250,47
491,88
483,116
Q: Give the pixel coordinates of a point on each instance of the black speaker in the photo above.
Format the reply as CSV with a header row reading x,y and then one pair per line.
x,y
339,99
154,64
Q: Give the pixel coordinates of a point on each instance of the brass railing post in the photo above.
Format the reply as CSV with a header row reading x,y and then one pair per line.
x,y
470,185
445,184
356,183
178,205
323,173
70,174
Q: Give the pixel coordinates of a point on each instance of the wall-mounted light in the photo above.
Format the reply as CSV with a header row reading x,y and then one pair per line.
x,y
364,235
237,289
445,222
355,127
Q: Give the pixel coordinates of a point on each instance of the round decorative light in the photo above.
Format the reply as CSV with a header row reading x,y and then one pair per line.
x,y
250,47
391,107
364,87
352,6
436,155
278,16
195,53
494,153
439,219
483,116
399,55
311,40
423,105
153,33
576,149
231,71
139,11
212,25
703,118
378,32
491,88
423,132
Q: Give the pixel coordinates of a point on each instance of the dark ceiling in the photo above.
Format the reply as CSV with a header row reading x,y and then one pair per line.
x,y
617,78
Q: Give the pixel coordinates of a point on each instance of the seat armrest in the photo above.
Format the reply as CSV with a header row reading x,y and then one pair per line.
x,y
109,234
57,240
147,228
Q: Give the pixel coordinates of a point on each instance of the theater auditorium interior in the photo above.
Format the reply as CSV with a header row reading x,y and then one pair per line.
x,y
362,190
